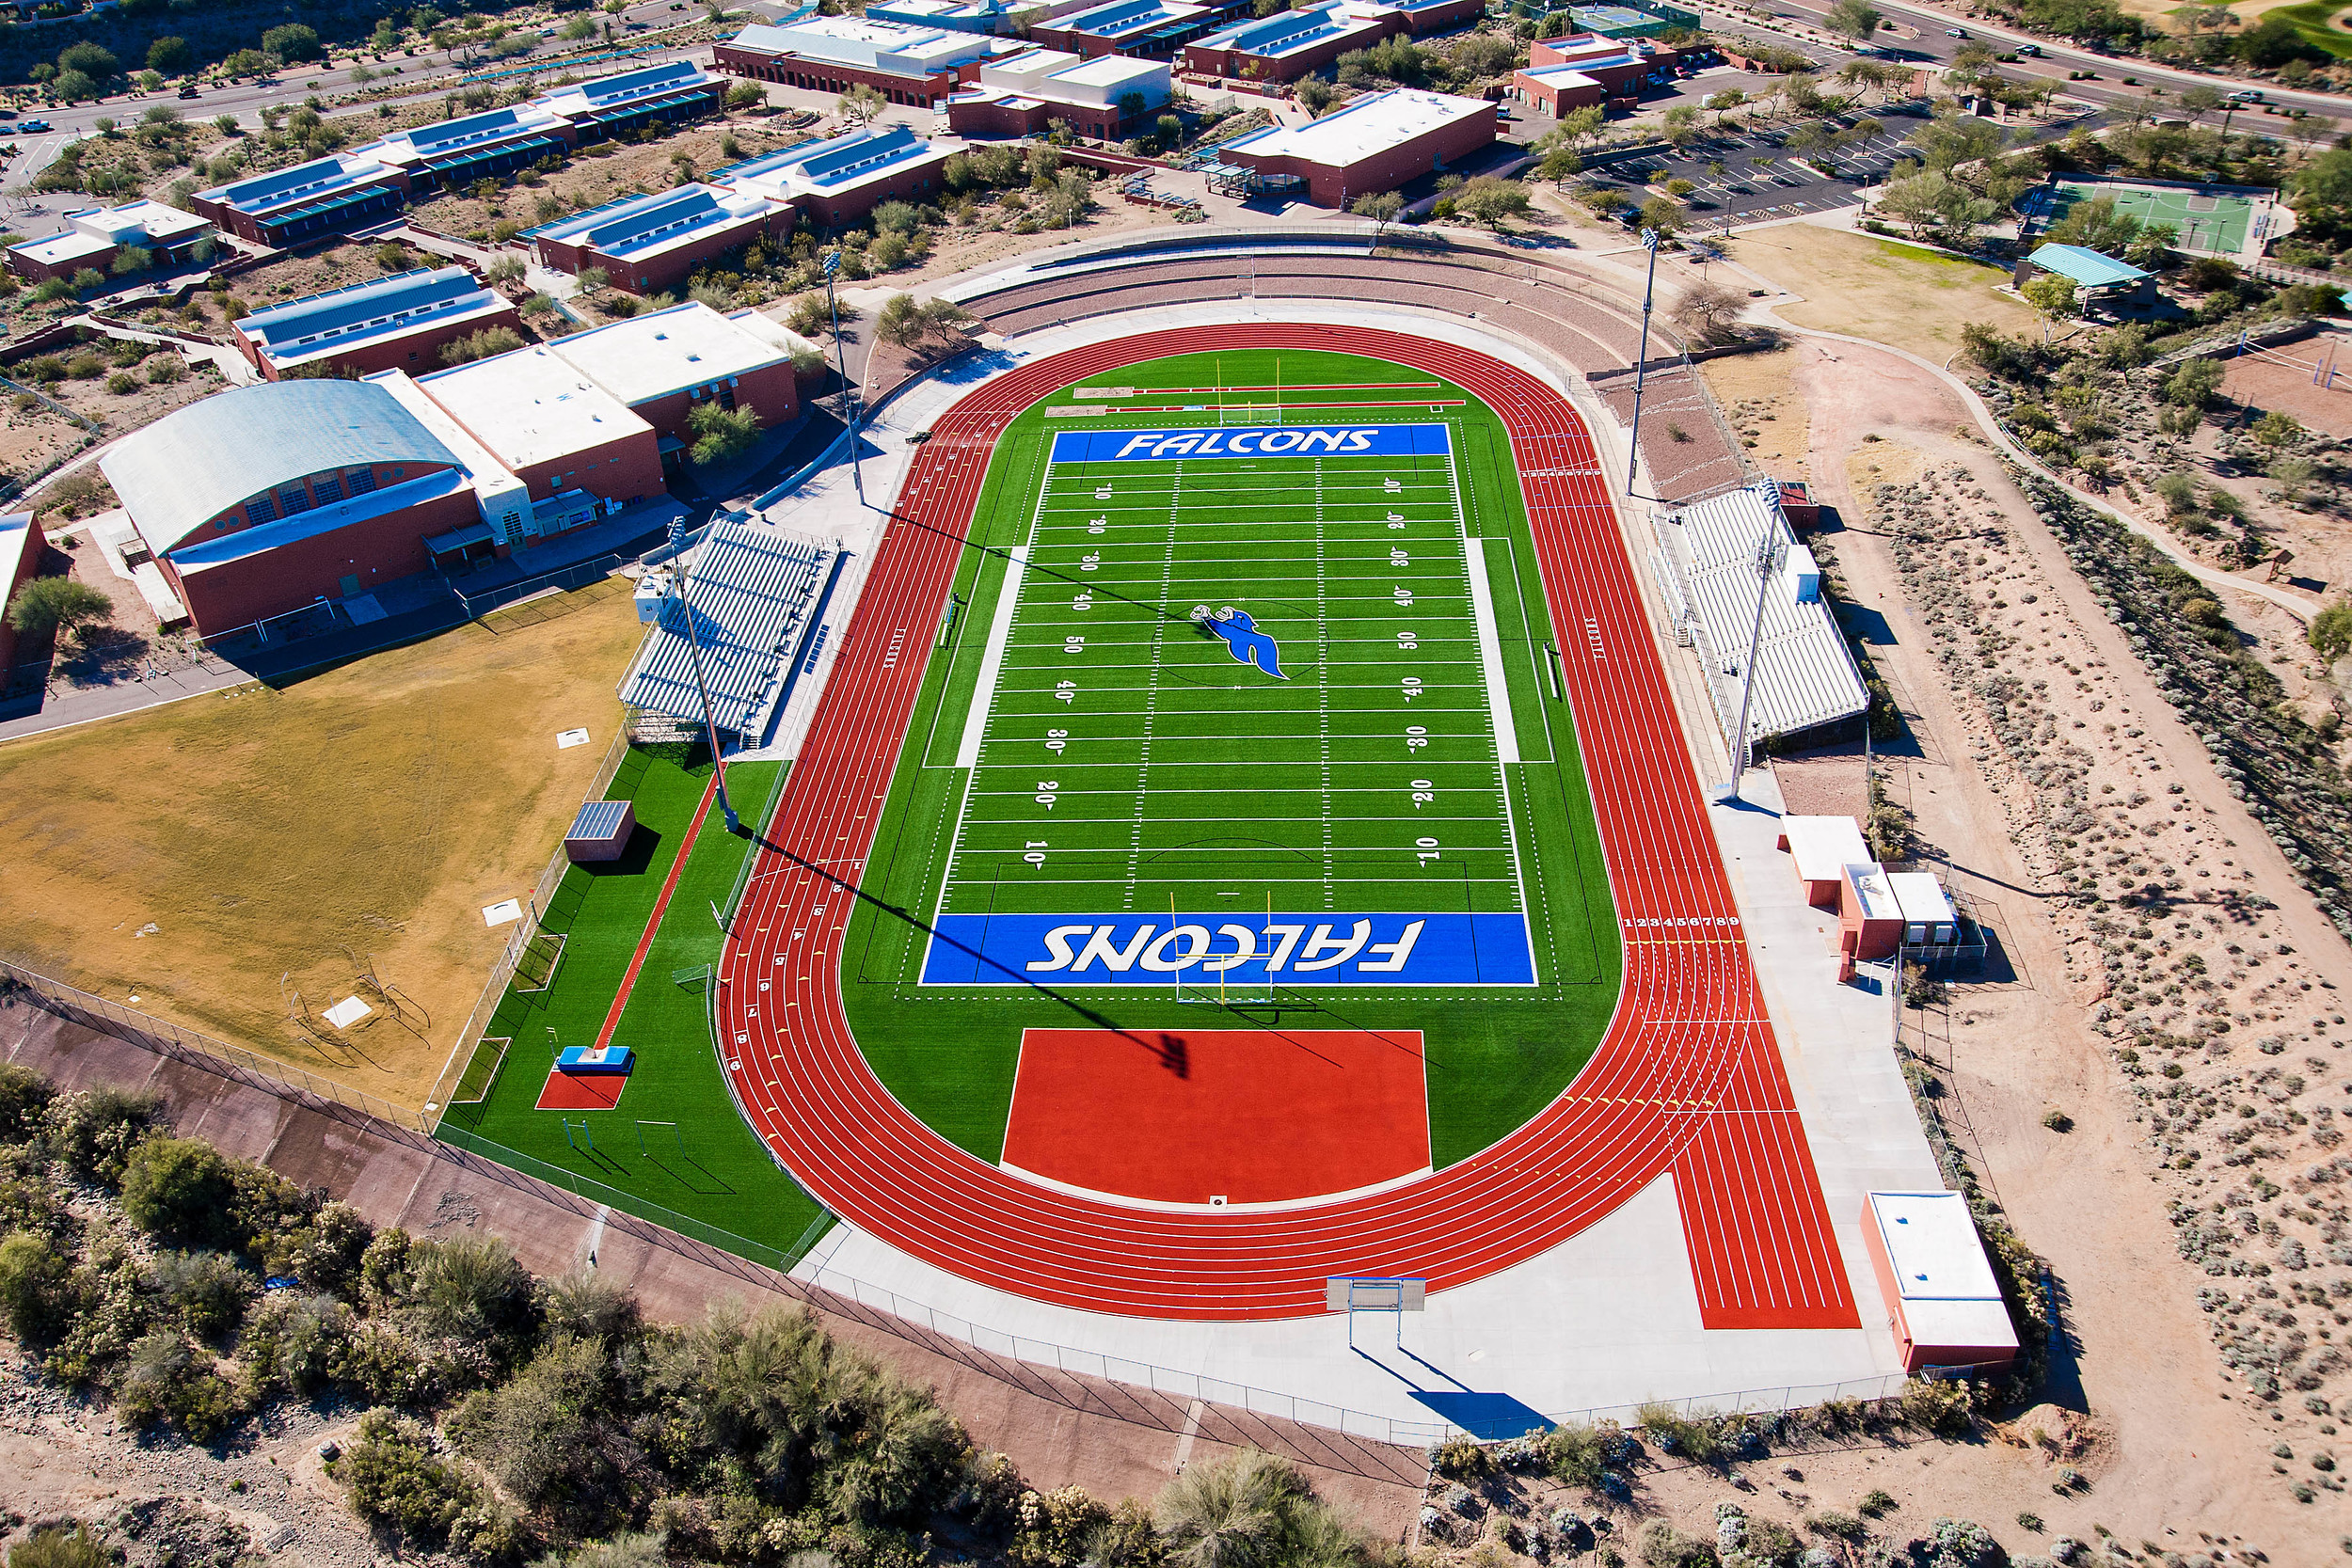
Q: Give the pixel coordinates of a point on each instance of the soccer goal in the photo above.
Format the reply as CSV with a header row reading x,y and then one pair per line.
x,y
482,1071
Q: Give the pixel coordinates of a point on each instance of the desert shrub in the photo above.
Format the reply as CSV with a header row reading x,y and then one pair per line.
x,y
208,1288
178,1188
1684,1436
170,1380
32,1286
542,1432
398,1482
296,1343
471,1288
23,1095
1236,1514
586,1306
165,369
57,1547
1661,1545
93,1132
1461,1457
327,1254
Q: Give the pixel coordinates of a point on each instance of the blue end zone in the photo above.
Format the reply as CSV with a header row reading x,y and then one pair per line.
x,y
1168,446
1289,949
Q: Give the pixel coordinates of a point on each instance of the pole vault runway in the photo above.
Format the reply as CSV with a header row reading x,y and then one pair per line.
x,y
1687,1078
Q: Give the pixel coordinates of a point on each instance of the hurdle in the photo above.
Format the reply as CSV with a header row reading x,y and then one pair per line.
x,y
678,1140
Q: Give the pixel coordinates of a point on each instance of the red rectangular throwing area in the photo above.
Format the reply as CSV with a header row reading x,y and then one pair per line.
x,y
1246,1114
582,1091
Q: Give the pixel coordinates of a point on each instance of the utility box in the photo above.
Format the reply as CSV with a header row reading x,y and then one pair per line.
x,y
1804,574
653,592
600,832
1941,1300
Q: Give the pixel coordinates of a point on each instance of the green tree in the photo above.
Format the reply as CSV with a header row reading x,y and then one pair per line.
x,y
294,40
179,1188
59,605
1381,208
470,1287
1855,20
169,54
2052,299
860,104
2278,428
2195,385
1488,199
71,87
94,61
721,436
1663,215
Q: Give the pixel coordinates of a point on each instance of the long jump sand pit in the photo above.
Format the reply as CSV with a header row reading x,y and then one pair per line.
x,y
1897,295
212,856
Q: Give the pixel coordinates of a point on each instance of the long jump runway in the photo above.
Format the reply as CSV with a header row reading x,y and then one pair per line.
x,y
1687,1080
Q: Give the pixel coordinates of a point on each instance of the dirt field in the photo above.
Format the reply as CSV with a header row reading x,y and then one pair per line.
x,y
2282,379
1870,288
1759,397
192,856
2165,1351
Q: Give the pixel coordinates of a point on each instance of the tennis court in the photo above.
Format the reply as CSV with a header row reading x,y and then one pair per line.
x,y
2211,224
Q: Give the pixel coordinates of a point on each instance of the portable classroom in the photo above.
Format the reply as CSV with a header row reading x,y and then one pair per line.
x,y
1942,1301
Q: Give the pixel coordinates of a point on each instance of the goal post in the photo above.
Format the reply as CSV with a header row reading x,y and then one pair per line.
x,y
1237,987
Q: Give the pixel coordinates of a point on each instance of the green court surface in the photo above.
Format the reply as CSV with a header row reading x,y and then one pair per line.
x,y
1086,744
2213,225
672,1151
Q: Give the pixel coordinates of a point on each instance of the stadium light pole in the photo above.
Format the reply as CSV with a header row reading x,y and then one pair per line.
x,y
1650,239
1767,558
841,357
694,643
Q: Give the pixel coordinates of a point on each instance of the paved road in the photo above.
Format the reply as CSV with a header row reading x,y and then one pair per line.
x,y
1921,38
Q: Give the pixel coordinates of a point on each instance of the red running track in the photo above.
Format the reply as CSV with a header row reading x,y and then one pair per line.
x,y
1687,1080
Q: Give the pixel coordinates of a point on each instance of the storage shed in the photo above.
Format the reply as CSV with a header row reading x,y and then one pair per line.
x,y
600,831
1928,919
1870,922
1941,1300
1823,847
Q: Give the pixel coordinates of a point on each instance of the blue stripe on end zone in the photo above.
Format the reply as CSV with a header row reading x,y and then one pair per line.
x,y
1321,949
1305,440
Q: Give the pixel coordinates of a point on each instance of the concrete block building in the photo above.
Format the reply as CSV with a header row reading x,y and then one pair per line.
x,y
396,322
652,244
95,236
332,195
841,179
568,441
664,364
1022,95
1376,143
912,66
1290,44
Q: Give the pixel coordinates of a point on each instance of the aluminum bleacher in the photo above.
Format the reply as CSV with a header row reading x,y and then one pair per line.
x,y
754,592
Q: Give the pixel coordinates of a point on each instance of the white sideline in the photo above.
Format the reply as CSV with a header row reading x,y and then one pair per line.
x,y
993,659
1490,650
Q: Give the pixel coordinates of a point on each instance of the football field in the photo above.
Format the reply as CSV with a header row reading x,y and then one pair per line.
x,y
1234,695
1242,755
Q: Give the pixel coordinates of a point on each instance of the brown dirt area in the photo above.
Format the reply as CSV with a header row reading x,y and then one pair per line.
x,y
1758,397
30,437
2261,381
204,859
1871,288
2187,1444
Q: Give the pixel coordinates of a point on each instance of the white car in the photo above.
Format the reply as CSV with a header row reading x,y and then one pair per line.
x,y
1955,32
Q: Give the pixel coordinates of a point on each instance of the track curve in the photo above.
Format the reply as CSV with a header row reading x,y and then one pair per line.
x,y
1687,1078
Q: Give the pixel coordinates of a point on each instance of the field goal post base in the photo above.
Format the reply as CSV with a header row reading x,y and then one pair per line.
x,y
1353,1293
1245,985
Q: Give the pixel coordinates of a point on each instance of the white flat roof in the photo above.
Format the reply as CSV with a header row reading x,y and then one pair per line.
x,y
664,352
1871,890
1823,847
1365,128
530,407
1922,897
475,458
1933,1247
1110,70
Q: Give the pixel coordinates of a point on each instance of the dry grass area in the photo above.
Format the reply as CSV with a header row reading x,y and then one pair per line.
x,y
192,855
1870,288
1758,393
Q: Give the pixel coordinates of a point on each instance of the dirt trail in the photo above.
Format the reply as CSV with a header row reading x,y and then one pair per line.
x,y
2188,1450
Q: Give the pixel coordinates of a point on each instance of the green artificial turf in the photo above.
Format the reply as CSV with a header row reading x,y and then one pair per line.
x,y
1495,1057
710,1178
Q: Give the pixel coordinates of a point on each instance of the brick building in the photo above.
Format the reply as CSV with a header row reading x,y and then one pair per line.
x,y
1376,143
21,546
1146,29
664,364
651,244
396,322
917,66
841,179
1106,99
1290,44
95,236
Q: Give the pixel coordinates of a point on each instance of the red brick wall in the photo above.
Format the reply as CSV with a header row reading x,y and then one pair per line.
x,y
1289,68
1556,99
625,469
916,183
1437,18
794,70
376,551
417,352
32,271
666,272
769,391
989,117
20,572
1328,185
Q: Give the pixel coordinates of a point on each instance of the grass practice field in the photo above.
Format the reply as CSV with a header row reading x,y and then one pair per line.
x,y
2210,225
673,1150
1113,790
211,856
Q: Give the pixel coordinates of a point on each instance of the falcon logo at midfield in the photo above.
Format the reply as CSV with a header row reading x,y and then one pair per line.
x,y
1243,640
